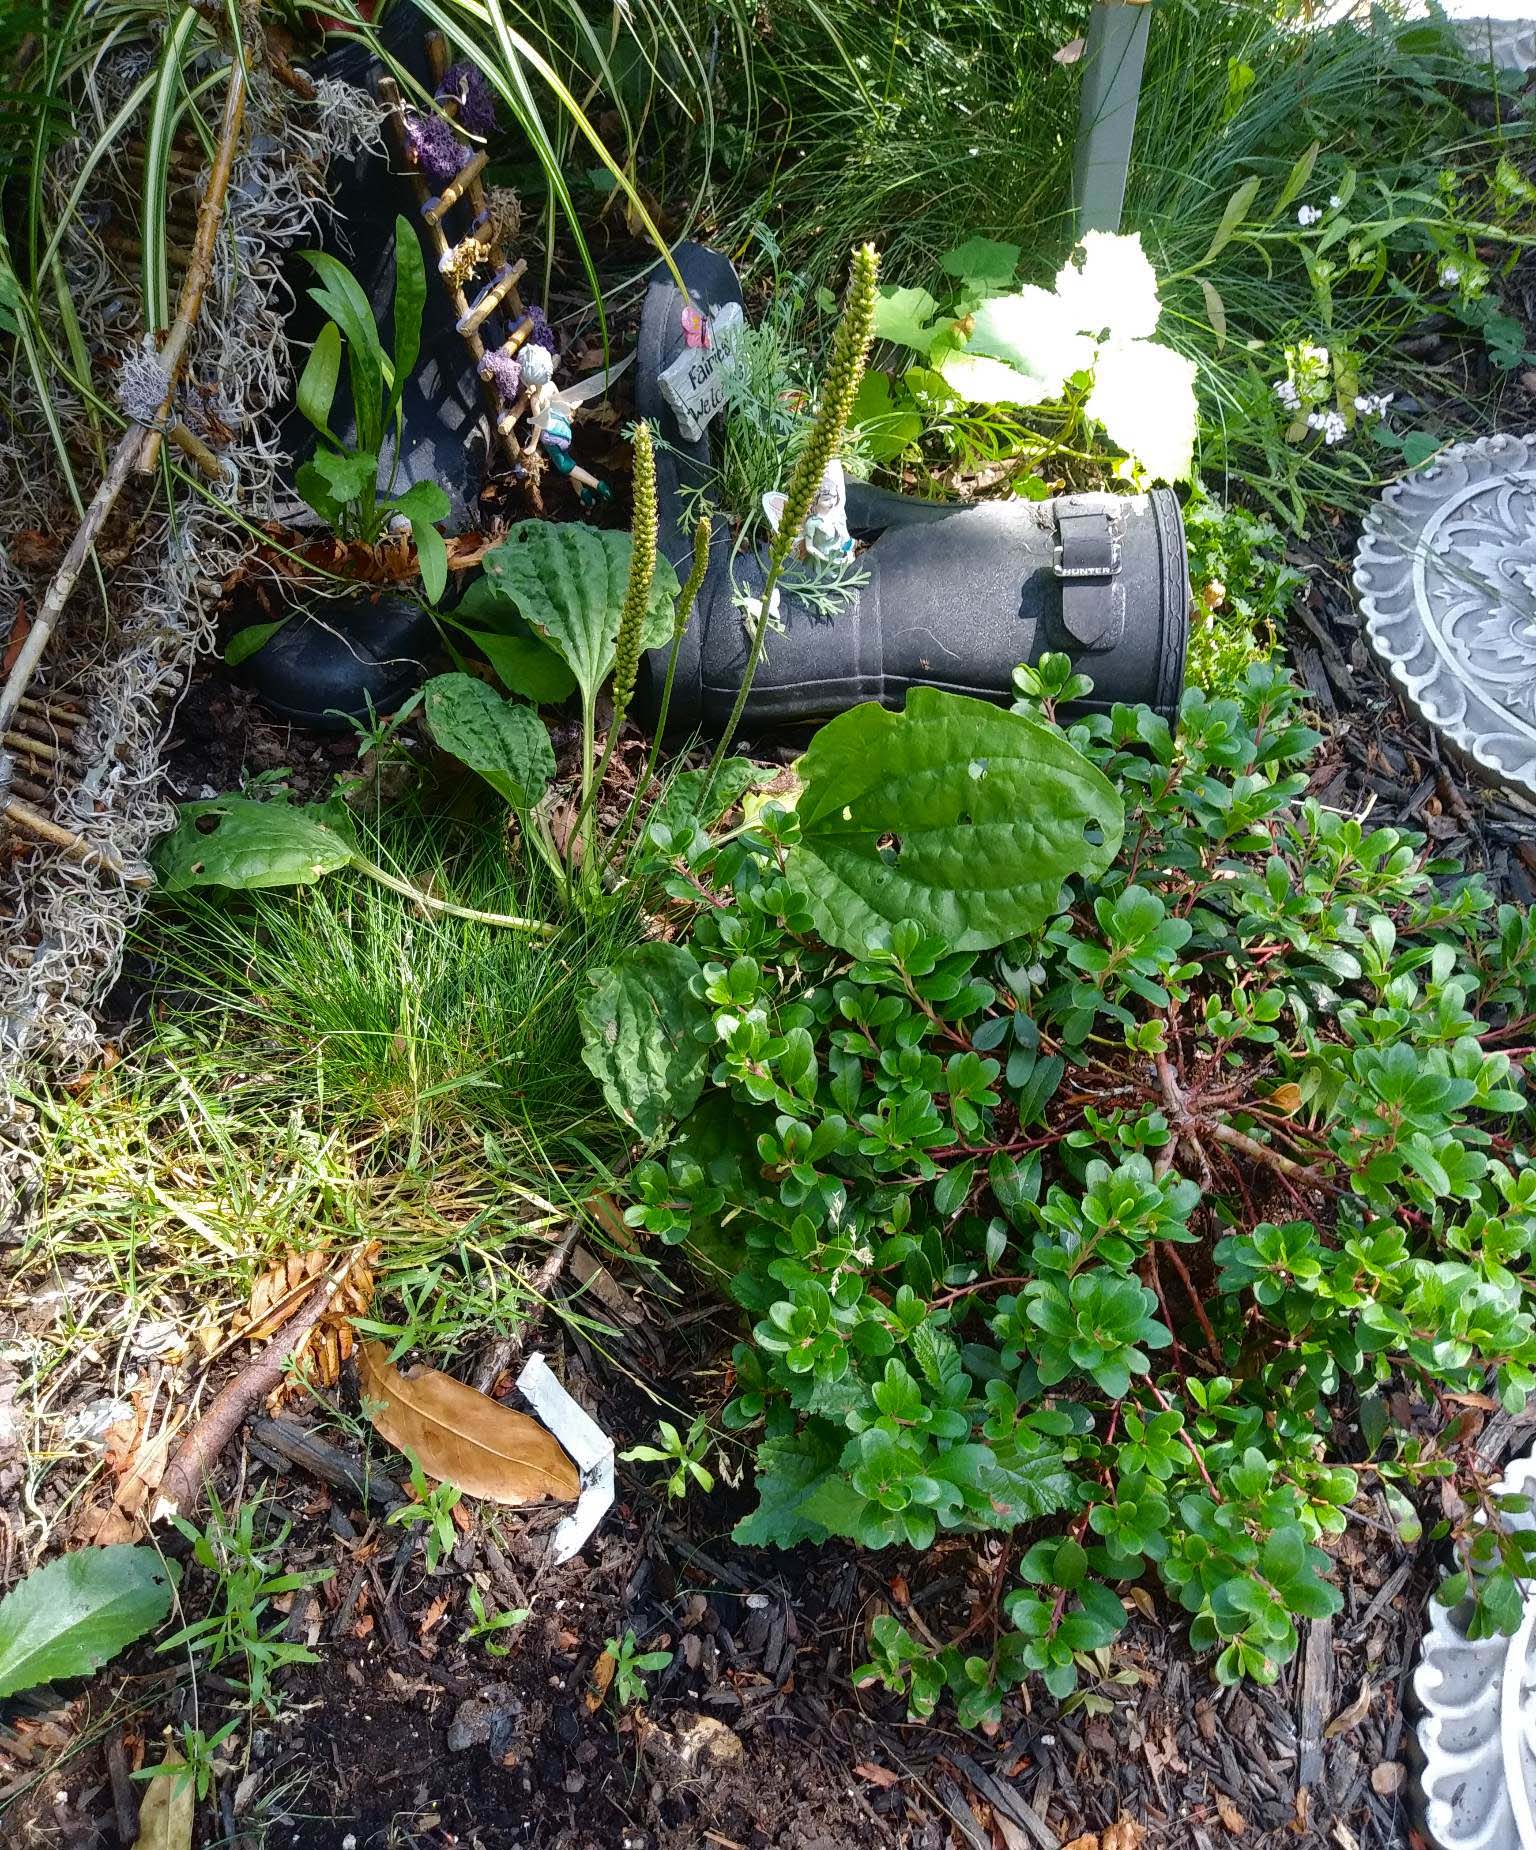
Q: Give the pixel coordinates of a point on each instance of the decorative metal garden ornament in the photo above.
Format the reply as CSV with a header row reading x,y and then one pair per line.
x,y
1477,1732
1446,574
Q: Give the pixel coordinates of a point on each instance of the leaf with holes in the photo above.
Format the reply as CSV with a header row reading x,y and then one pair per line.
x,y
641,1028
236,842
955,814
504,742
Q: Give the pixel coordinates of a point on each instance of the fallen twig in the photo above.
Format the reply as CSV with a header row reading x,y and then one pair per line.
x,y
506,1349
189,1470
32,821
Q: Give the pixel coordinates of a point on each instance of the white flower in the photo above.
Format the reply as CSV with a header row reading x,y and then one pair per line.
x,y
1330,423
1285,391
1372,404
1314,356
1308,215
1450,276
1335,201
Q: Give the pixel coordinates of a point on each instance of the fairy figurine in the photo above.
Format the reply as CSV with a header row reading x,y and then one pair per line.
x,y
549,415
825,535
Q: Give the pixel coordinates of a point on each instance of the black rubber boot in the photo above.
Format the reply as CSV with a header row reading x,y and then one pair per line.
x,y
323,666
957,595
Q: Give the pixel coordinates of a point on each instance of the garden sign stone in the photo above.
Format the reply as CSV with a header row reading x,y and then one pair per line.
x,y
1446,574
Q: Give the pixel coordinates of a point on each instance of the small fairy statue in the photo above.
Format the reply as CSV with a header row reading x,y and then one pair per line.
x,y
549,415
825,535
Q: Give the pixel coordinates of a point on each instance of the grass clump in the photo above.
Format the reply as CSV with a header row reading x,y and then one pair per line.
x,y
429,1030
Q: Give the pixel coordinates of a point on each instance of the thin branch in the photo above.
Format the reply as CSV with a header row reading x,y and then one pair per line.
x,y
134,442
194,285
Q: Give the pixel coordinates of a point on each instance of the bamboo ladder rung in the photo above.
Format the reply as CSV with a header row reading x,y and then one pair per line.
x,y
466,181
491,297
434,211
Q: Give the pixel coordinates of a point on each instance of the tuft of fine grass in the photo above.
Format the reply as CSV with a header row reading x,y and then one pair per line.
x,y
429,1030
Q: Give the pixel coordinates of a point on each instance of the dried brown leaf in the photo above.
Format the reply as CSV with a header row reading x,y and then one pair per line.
x,y
165,1816
1353,1715
1286,1098
462,1437
279,1293
1230,1816
877,1775
1088,1841
1124,1834
1387,1777
602,1676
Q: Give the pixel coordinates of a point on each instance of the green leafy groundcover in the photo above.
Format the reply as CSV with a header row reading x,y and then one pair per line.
x,y
1148,1240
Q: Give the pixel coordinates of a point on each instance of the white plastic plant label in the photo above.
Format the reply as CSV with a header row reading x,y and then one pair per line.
x,y
590,1449
694,384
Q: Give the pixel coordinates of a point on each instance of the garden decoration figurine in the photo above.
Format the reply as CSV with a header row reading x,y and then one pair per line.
x,y
549,416
445,154
825,535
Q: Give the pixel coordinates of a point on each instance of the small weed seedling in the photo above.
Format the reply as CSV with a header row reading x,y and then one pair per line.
x,y
685,1456
631,1666
231,1633
487,1625
434,1508
199,1765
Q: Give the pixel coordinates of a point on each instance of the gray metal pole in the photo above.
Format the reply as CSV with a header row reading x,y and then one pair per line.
x,y
1106,124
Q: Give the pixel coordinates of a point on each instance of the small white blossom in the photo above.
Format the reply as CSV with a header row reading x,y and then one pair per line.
x,y
1335,201
1308,215
1285,391
1330,423
1372,404
1450,276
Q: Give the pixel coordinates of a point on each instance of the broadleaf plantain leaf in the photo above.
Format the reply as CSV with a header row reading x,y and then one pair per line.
x,y
236,842
68,1618
502,740
568,582
524,664
640,1034
958,815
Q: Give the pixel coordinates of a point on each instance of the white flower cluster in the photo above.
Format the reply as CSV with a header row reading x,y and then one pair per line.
x,y
1330,423
1285,391
1308,215
1450,276
1372,404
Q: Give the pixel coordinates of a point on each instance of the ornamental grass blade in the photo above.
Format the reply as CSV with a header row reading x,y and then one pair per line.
x,y
462,1437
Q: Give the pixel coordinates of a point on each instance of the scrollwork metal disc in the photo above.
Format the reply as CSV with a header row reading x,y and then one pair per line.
x,y
1477,1731
1446,574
